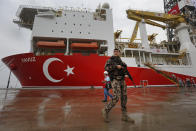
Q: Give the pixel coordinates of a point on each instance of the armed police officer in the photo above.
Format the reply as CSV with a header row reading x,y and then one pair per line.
x,y
117,71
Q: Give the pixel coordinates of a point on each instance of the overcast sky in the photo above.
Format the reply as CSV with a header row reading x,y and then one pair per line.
x,y
15,40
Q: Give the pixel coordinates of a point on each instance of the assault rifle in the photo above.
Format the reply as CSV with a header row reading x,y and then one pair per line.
x,y
130,77
118,61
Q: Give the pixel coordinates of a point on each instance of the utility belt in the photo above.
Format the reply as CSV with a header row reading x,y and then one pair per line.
x,y
119,78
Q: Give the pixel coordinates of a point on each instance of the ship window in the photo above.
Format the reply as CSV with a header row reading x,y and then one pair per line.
x,y
89,25
74,15
52,30
64,14
56,22
65,23
70,31
88,32
80,32
83,16
62,31
80,24
74,24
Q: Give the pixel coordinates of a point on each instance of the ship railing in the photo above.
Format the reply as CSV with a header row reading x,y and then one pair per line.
x,y
20,22
158,50
78,9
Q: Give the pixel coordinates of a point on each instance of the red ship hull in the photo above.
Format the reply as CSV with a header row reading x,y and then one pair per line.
x,y
76,70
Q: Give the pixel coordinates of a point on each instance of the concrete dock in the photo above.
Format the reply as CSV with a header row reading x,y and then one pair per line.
x,y
153,109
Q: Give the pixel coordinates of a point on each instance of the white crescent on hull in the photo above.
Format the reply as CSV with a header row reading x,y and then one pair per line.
x,y
45,69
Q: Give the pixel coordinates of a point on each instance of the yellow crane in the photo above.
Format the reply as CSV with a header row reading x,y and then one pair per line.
x,y
134,34
171,21
131,40
132,44
151,38
133,37
150,17
117,34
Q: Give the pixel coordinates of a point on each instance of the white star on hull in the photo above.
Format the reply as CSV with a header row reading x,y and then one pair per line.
x,y
69,70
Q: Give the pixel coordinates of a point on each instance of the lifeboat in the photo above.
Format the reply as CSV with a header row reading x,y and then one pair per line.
x,y
48,44
84,46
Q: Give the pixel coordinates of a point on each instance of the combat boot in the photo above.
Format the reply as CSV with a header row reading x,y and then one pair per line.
x,y
126,118
105,116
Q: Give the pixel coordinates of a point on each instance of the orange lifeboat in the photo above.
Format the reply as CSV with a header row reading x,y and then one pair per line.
x,y
84,46
48,44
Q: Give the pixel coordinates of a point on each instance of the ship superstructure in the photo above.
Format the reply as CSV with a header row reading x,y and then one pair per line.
x,y
58,30
69,47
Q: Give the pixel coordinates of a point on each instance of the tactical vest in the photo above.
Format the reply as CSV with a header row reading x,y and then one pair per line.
x,y
115,73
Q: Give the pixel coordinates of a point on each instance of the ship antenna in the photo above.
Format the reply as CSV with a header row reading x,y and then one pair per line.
x,y
99,6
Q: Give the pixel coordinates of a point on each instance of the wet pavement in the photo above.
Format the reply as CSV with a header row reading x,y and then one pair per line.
x,y
153,109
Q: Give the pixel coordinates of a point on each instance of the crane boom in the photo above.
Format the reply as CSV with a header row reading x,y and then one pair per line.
x,y
134,34
149,17
139,19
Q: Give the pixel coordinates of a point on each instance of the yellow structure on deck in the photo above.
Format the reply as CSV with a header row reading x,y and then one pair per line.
x,y
168,20
133,37
134,34
149,17
151,38
117,34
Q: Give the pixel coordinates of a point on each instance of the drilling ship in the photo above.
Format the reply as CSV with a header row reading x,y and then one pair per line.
x,y
70,46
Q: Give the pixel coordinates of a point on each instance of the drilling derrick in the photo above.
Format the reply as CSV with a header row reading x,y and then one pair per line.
x,y
185,8
168,5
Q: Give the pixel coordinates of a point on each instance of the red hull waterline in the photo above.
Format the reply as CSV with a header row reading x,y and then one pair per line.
x,y
73,71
